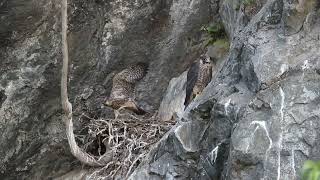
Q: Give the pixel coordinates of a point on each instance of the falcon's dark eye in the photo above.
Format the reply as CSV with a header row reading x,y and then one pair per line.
x,y
207,60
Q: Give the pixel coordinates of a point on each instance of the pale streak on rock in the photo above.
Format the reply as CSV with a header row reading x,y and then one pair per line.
x,y
283,68
247,149
280,136
293,164
214,154
263,125
226,105
305,65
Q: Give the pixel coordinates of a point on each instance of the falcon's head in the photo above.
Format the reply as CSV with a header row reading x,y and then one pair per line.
x,y
206,59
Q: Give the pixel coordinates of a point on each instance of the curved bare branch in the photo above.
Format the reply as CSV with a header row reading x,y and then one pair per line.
x,y
67,107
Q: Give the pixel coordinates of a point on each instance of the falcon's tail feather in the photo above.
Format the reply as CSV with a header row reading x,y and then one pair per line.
x,y
139,111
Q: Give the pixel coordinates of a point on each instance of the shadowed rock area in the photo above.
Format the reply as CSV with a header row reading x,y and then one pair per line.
x,y
258,118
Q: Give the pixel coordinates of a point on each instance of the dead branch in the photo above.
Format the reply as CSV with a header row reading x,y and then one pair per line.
x,y
67,107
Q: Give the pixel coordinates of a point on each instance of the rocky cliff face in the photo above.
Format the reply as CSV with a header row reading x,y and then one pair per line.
x,y
258,118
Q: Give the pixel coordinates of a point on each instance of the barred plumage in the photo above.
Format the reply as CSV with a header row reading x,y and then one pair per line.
x,y
123,87
198,77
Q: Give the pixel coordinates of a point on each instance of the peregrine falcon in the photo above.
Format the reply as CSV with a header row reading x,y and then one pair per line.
x,y
198,77
123,87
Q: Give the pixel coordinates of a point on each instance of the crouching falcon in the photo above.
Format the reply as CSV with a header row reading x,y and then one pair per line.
x,y
123,88
198,77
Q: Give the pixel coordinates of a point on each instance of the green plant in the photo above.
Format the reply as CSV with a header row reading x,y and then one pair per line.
x,y
311,170
248,2
215,32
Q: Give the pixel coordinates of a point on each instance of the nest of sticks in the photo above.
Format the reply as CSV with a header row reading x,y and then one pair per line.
x,y
129,136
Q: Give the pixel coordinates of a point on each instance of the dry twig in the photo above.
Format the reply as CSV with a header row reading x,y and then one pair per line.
x,y
130,138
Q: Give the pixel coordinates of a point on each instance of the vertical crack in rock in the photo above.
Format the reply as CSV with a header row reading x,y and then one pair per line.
x,y
3,97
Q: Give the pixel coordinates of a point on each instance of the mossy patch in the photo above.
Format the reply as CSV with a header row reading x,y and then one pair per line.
x,y
217,40
249,2
295,17
215,32
305,6
222,43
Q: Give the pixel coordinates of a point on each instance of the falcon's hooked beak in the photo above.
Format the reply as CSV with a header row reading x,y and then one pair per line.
x,y
206,59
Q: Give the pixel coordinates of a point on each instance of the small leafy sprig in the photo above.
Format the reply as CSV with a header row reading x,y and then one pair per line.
x,y
215,32
311,170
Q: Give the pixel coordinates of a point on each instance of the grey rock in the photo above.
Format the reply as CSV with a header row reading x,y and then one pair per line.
x,y
263,103
173,101
264,99
104,37
190,143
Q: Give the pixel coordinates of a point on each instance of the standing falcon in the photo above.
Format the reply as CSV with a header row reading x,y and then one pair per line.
x,y
198,77
123,87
